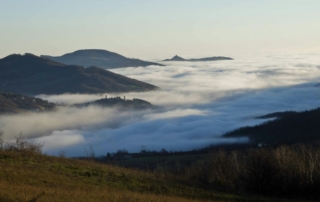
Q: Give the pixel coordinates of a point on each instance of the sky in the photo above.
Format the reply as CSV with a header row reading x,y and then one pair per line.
x,y
160,29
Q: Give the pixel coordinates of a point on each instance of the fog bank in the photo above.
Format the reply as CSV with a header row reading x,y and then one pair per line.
x,y
197,103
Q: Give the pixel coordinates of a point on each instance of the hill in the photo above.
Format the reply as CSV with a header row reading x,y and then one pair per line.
x,y
34,177
178,58
277,115
119,102
99,58
288,128
30,74
15,103
28,175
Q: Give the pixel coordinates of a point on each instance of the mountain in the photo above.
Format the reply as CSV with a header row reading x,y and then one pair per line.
x,y
288,128
119,102
15,103
277,115
178,58
99,58
210,59
31,75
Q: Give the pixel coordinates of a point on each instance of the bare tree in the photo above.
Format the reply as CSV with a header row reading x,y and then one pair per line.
x,y
1,140
90,153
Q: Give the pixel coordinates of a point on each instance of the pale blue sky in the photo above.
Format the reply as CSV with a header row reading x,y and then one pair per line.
x,y
159,28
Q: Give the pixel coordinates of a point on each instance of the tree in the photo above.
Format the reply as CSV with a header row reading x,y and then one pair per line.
x,y
122,151
164,151
1,140
108,157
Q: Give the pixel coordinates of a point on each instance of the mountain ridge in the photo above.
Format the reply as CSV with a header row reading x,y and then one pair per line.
x,y
119,102
100,58
32,75
215,58
288,128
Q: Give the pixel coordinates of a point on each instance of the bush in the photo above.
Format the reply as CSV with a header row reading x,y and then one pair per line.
x,y
1,140
21,145
260,173
284,171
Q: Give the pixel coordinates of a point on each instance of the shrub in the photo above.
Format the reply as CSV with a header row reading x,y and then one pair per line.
x,y
21,145
1,140
286,171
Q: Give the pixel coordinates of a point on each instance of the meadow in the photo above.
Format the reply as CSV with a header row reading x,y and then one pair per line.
x,y
28,175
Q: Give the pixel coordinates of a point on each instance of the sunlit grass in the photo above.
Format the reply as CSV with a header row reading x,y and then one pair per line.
x,y
34,177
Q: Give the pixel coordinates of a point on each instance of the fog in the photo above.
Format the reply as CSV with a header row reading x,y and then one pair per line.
x,y
197,103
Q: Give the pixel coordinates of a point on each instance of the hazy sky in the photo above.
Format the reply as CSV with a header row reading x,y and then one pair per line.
x,y
159,28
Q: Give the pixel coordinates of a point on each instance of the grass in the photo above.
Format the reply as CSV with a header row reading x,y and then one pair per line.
x,y
42,178
28,175
35,177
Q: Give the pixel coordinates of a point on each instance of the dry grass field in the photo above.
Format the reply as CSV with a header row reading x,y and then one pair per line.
x,y
27,175
35,177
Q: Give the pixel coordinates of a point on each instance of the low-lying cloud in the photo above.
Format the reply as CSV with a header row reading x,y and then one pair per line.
x,y
198,102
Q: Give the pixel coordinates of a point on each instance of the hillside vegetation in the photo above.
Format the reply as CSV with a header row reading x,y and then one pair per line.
x,y
287,128
119,102
28,175
16,103
287,171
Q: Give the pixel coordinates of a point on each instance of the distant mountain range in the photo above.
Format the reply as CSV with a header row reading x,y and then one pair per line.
x,y
99,58
31,75
16,103
288,128
178,58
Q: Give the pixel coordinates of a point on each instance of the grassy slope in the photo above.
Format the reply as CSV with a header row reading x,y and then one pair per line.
x,y
30,177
